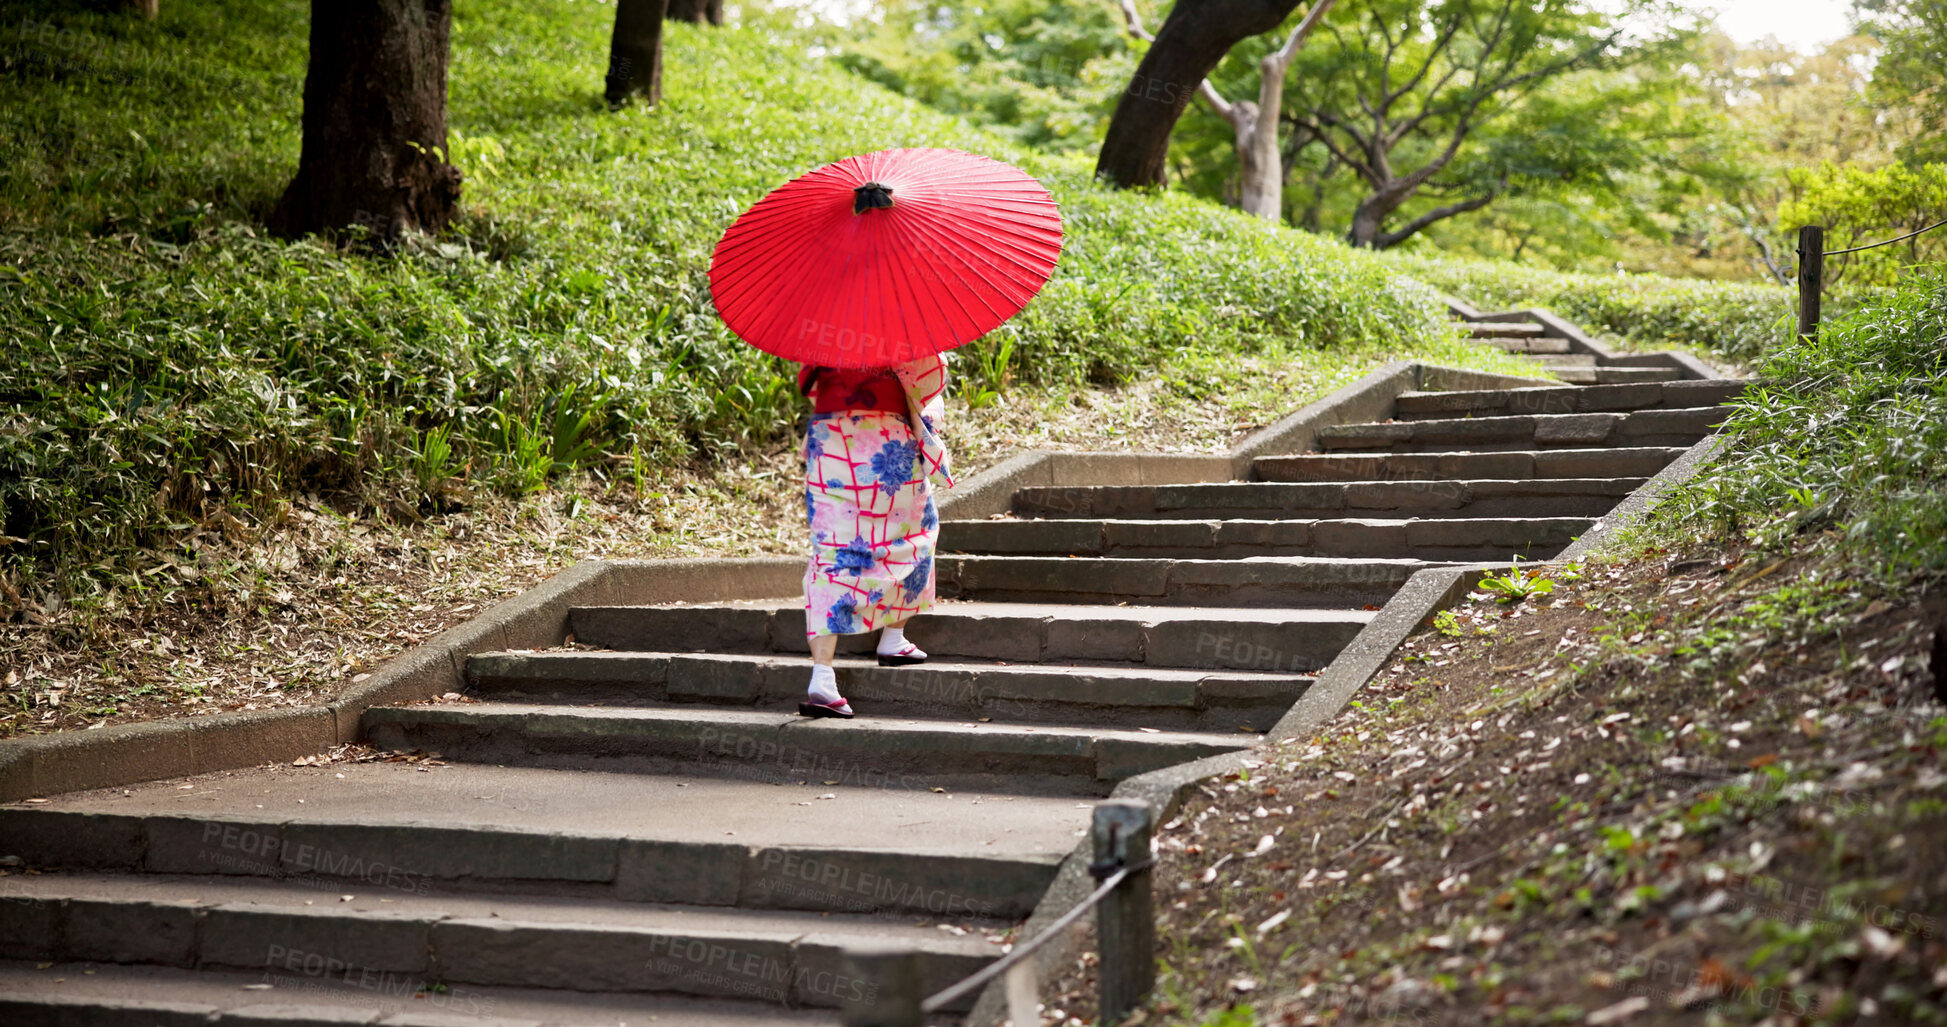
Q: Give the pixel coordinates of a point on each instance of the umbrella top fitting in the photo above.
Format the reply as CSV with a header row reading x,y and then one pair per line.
x,y
871,196
955,245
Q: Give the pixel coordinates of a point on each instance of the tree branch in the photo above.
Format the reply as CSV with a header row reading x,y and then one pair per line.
x,y
1387,240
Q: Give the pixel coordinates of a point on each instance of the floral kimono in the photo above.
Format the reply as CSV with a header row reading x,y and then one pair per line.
x,y
872,455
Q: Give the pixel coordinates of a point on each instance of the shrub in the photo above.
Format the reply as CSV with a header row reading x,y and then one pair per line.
x,y
1849,435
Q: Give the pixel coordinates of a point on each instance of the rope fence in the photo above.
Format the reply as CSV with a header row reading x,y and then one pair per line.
x,y
1811,269
1125,934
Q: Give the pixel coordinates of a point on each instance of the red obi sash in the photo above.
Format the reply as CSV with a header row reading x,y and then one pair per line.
x,y
840,391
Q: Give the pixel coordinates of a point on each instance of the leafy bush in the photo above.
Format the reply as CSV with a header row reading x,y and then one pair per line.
x,y
1738,321
1859,206
1850,435
169,364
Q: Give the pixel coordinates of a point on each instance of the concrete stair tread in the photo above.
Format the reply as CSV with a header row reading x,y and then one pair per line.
x,y
775,722
378,903
1244,580
1558,399
1024,633
1079,694
1497,432
1244,537
863,661
154,996
674,809
1444,499
1132,613
875,750
1482,329
1437,464
1609,374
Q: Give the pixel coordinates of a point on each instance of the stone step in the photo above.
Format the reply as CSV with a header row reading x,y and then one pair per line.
x,y
104,995
1610,375
1281,641
463,941
1600,462
1421,406
1536,497
1493,329
1529,344
1451,539
396,827
1633,429
1264,581
779,747
1121,695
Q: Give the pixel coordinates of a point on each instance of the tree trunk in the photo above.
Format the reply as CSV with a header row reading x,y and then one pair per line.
x,y
635,52
146,9
696,11
1191,41
374,151
1369,217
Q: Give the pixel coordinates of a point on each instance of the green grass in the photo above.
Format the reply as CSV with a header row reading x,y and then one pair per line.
x,y
1848,438
169,361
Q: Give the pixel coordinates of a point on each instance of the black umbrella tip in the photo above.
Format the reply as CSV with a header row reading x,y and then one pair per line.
x,y
871,196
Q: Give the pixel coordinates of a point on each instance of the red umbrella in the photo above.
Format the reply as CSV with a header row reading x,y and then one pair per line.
x,y
886,257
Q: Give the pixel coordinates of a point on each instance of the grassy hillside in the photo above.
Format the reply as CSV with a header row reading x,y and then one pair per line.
x,y
175,362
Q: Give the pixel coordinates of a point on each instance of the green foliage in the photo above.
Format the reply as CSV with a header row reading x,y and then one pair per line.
x,y
1849,435
1860,205
1907,74
1041,72
1517,585
1738,321
1479,99
168,361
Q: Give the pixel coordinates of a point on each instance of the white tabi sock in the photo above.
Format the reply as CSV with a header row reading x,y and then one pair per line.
x,y
891,640
824,685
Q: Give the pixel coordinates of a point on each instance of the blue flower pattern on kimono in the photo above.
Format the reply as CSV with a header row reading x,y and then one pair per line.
x,y
915,583
839,620
892,465
810,512
855,557
931,519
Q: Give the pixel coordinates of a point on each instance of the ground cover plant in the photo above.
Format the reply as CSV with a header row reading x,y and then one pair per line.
x,y
1700,778
240,470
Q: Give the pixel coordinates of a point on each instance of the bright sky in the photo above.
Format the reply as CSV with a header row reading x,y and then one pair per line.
x,y
1802,24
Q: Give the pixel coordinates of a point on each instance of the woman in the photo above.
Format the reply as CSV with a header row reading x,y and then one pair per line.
x,y
871,454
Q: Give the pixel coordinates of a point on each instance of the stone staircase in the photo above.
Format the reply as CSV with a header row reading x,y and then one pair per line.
x,y
1559,356
637,827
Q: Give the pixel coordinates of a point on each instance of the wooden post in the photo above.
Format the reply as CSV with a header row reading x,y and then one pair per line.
x,y
1125,922
884,987
1811,278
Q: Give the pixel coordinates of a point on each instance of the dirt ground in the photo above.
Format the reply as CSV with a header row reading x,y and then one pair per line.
x,y
1694,788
